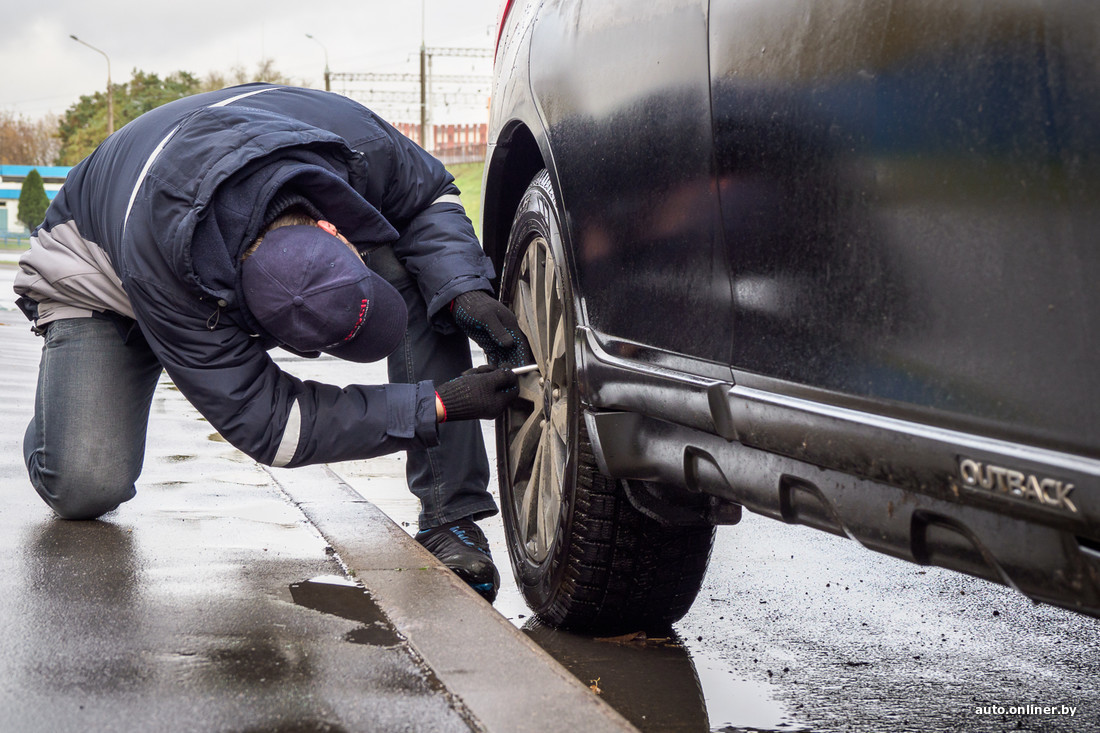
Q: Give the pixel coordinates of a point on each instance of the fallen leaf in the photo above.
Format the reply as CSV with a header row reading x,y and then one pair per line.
x,y
624,638
637,638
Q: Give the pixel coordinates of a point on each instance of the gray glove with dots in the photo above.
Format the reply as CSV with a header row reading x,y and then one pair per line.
x,y
494,328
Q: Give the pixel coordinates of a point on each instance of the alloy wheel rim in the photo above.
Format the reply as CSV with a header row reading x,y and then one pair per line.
x,y
537,425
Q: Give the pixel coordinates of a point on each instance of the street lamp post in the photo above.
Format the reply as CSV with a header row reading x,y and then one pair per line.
x,y
110,91
328,76
423,80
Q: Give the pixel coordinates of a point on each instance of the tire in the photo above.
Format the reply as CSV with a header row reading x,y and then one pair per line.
x,y
584,558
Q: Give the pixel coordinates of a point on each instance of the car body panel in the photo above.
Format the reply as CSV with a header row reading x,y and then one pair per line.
x,y
910,197
623,92
882,214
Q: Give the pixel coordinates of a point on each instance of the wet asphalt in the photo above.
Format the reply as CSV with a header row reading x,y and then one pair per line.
x,y
231,597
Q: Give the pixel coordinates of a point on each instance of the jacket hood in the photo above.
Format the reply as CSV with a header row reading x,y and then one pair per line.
x,y
213,181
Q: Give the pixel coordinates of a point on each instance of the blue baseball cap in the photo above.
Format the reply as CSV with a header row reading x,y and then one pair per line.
x,y
307,289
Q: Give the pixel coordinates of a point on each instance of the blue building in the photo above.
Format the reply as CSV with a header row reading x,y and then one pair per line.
x,y
11,183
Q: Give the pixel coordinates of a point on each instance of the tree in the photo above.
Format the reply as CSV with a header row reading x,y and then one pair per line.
x,y
82,128
238,74
84,125
33,201
147,91
28,142
266,71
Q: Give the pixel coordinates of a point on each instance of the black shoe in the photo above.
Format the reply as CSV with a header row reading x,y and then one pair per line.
x,y
462,547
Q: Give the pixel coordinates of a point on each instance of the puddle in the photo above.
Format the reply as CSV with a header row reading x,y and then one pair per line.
x,y
651,683
658,685
339,596
735,705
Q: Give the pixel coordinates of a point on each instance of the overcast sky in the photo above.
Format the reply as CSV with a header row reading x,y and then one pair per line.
x,y
46,71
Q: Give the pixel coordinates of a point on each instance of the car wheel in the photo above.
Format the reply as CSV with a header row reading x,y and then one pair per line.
x,y
583,556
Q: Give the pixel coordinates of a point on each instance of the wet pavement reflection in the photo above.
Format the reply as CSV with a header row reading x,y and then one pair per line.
x,y
87,601
657,684
339,597
652,681
110,617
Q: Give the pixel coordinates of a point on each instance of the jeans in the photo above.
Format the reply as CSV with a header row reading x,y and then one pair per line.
x,y
451,479
85,445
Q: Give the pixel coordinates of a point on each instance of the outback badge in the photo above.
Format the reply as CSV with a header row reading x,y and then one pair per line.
x,y
1028,486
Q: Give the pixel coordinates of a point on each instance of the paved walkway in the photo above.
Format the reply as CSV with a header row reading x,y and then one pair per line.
x,y
232,597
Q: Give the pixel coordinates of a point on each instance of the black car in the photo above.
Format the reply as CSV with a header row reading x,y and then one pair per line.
x,y
833,261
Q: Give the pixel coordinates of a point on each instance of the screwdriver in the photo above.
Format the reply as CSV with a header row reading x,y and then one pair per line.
x,y
525,369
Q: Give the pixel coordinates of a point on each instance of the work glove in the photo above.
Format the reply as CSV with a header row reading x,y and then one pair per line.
x,y
493,327
481,393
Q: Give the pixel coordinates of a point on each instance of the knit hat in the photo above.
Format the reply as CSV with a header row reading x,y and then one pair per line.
x,y
285,200
310,291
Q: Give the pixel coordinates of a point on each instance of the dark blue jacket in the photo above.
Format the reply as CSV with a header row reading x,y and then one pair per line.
x,y
175,196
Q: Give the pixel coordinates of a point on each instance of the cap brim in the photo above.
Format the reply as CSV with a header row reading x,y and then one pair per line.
x,y
384,326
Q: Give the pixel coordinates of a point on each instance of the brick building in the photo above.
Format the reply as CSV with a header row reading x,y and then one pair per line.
x,y
451,143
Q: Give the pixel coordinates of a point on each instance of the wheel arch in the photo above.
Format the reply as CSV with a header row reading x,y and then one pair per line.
x,y
513,162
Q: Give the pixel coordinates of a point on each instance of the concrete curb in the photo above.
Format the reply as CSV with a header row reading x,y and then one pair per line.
x,y
506,682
